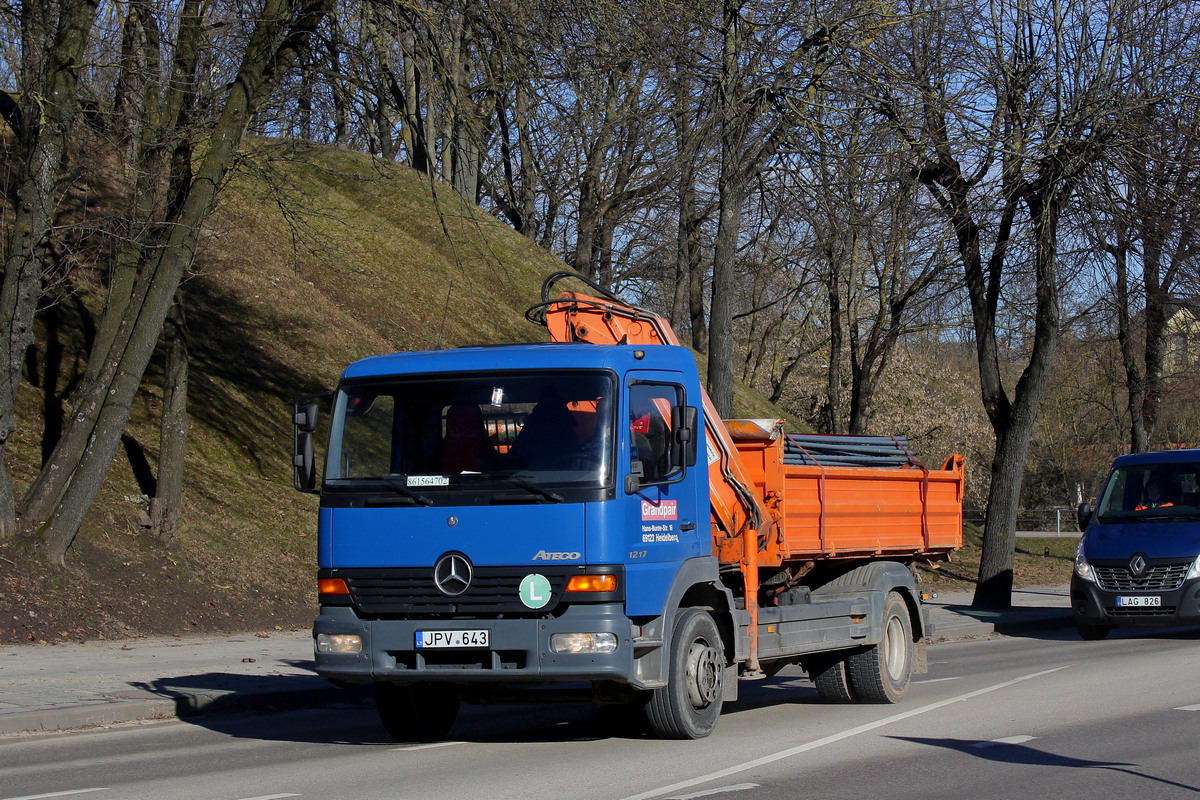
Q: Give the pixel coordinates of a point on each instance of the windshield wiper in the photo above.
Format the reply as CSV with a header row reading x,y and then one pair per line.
x,y
399,488
530,486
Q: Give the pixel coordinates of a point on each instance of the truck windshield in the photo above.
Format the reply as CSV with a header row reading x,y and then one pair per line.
x,y
1151,491
430,433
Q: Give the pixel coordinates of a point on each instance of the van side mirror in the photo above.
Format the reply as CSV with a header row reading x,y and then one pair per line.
x,y
1083,516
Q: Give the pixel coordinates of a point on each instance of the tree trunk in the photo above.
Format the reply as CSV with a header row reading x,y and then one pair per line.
x,y
833,376
1156,335
48,106
732,188
143,231
167,503
1014,423
1134,384
104,410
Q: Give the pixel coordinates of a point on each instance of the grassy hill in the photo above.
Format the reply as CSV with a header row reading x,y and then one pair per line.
x,y
315,257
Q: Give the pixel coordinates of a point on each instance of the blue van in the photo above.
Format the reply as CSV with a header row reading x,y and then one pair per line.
x,y
1138,561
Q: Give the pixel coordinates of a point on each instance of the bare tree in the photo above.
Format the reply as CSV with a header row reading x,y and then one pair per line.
x,y
1004,107
57,502
1145,216
41,117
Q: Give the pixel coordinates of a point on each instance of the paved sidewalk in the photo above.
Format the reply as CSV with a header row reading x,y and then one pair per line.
x,y
56,687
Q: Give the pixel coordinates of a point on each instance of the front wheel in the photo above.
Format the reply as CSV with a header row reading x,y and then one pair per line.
x,y
689,705
881,673
421,713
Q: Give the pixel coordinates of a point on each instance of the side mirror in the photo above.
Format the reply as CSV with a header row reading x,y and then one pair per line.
x,y
685,434
305,418
304,463
1083,516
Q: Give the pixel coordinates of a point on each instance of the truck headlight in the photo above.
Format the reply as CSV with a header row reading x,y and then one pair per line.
x,y
342,643
583,642
1083,569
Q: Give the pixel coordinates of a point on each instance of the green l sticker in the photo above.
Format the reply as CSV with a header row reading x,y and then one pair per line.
x,y
535,590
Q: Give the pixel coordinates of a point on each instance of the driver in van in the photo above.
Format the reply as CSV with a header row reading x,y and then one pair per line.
x,y
1154,497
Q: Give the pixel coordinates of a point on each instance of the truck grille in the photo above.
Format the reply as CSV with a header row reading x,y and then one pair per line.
x,y
1156,578
400,593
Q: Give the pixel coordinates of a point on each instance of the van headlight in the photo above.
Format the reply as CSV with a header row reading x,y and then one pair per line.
x,y
1084,570
1194,572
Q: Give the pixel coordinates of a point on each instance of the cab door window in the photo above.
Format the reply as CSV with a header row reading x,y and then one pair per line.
x,y
651,435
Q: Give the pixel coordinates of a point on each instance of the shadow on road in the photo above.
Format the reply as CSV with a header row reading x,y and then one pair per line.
x,y
1014,753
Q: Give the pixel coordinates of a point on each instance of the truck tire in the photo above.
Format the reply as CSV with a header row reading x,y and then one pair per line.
x,y
1091,632
422,713
689,705
881,673
830,674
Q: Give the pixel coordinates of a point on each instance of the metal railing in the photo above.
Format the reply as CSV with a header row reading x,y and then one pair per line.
x,y
1038,521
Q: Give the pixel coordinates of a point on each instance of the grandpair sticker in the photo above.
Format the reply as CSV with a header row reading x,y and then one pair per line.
x,y
658,521
661,511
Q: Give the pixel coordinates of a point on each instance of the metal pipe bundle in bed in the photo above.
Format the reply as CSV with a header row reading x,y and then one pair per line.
x,y
879,452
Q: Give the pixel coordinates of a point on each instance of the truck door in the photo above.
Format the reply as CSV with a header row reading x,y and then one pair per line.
x,y
665,501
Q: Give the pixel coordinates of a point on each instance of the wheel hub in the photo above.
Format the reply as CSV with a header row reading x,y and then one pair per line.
x,y
704,671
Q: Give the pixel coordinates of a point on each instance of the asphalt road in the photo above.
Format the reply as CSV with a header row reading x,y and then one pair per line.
x,y
1045,716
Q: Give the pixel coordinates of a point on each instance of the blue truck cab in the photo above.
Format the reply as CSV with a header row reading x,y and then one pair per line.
x,y
499,519
1138,561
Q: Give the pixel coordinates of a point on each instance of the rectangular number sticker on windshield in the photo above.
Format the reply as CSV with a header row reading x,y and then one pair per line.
x,y
1139,601
431,639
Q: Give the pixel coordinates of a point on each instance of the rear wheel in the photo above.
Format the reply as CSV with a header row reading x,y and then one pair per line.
x,y
831,676
689,705
881,673
421,713
1092,632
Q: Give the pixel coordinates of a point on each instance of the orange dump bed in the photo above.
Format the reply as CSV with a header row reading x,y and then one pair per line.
x,y
831,511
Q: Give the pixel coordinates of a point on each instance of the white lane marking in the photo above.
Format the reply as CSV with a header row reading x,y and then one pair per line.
x,y
837,737
940,680
424,746
1006,740
1189,708
57,794
271,797
737,787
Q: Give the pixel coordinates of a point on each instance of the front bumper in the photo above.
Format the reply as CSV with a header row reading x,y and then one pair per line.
x,y
1096,606
518,652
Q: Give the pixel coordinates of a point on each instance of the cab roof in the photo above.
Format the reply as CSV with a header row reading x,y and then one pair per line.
x,y
550,355
1158,457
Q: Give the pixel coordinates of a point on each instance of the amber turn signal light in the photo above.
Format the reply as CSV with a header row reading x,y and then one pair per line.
x,y
592,583
332,586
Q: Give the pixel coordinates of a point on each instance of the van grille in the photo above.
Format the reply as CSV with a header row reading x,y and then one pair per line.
x,y
1156,578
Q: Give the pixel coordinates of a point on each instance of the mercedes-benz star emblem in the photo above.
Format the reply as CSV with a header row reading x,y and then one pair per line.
x,y
452,574
1137,565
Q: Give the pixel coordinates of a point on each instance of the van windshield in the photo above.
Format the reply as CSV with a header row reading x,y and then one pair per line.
x,y
1151,491
430,433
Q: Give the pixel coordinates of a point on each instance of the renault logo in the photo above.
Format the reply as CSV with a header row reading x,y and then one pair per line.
x,y
452,574
1137,565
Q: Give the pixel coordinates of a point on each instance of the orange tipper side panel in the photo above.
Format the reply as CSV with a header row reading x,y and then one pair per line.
x,y
850,511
